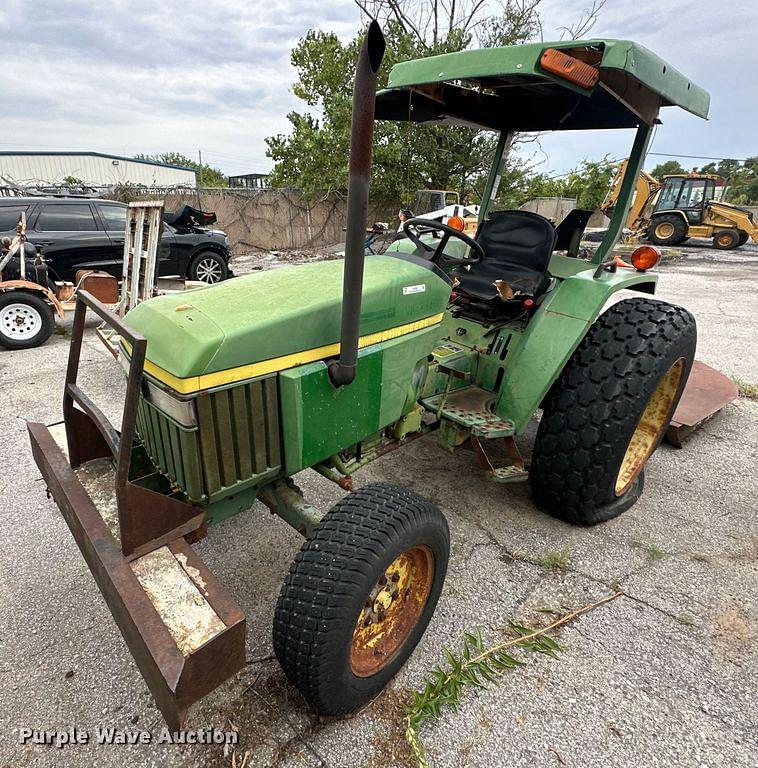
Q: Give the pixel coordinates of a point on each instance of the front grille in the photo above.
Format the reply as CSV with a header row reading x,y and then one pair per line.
x,y
235,445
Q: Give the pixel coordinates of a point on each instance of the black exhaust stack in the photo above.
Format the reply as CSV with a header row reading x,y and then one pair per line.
x,y
342,371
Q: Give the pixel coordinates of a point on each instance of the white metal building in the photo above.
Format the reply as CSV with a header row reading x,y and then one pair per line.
x,y
91,168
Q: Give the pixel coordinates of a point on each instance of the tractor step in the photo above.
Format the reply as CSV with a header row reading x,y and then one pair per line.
x,y
469,407
706,393
466,418
186,633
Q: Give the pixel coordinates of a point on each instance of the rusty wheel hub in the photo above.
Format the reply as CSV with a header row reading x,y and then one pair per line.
x,y
392,609
650,427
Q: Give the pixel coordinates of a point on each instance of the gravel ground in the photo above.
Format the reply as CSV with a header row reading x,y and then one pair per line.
x,y
661,676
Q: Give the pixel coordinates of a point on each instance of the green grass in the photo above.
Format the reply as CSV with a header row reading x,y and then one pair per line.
x,y
557,559
653,550
746,389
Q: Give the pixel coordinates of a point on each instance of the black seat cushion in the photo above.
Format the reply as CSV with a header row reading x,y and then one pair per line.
x,y
518,246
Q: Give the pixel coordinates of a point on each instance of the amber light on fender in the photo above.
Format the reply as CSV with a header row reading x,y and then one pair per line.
x,y
569,68
645,257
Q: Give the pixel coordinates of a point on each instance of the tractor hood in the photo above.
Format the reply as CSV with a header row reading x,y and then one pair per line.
x,y
268,321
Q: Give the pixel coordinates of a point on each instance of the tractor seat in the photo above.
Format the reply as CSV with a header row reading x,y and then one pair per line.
x,y
517,246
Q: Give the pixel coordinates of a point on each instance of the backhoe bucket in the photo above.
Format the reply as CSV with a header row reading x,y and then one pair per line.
x,y
185,631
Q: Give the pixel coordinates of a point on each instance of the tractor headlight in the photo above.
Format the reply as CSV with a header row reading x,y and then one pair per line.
x,y
181,411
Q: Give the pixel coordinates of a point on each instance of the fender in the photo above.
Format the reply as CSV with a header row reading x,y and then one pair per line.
x,y
26,285
537,359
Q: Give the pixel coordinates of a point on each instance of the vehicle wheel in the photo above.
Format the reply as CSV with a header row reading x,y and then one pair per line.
x,y
208,267
359,595
667,230
26,320
744,237
726,239
609,410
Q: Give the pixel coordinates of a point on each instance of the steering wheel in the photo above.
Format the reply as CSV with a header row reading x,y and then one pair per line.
x,y
473,257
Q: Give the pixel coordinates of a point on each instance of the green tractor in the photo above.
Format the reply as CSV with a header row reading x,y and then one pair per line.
x,y
235,388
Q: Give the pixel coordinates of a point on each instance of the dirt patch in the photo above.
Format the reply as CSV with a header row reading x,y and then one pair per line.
x,y
391,749
731,632
271,718
253,261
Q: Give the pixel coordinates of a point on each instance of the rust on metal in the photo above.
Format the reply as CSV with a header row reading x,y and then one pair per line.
x,y
650,427
391,611
27,285
176,676
147,519
342,371
186,634
707,391
178,598
512,472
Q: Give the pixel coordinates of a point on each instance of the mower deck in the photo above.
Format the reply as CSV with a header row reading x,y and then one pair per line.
x,y
185,631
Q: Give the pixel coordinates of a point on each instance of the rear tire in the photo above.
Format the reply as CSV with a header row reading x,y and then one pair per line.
x,y
359,596
26,320
609,410
667,230
726,239
208,267
743,238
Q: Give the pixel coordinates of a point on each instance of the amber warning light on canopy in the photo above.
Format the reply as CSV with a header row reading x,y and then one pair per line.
x,y
569,68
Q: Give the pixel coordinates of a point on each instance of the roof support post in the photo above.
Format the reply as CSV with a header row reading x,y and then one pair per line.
x,y
626,193
496,173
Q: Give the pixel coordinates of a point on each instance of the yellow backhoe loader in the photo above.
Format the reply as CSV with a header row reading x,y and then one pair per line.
x,y
681,206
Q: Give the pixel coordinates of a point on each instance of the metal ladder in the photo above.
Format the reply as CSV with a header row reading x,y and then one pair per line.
x,y
141,239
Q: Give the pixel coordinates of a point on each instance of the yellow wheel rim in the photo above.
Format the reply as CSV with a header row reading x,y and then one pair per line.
x,y
725,239
392,609
664,229
650,427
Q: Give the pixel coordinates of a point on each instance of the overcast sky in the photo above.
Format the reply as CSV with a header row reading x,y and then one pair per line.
x,y
152,76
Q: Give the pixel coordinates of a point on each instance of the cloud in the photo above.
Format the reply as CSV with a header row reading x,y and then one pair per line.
x,y
152,76
714,46
147,76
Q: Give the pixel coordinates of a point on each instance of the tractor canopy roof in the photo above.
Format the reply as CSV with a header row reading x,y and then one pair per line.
x,y
568,85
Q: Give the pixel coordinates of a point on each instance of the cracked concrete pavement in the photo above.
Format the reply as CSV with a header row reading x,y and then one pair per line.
x,y
664,675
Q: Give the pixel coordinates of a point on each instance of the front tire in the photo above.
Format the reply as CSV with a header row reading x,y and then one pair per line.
x,y
26,320
208,267
360,595
609,410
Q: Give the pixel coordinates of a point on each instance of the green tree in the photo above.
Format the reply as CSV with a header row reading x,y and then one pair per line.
x,y
206,175
587,183
669,168
314,154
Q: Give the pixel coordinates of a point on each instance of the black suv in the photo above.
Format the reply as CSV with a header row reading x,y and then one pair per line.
x,y
85,233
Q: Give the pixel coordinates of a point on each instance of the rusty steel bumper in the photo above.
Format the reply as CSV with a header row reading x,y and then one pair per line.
x,y
186,633
176,676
